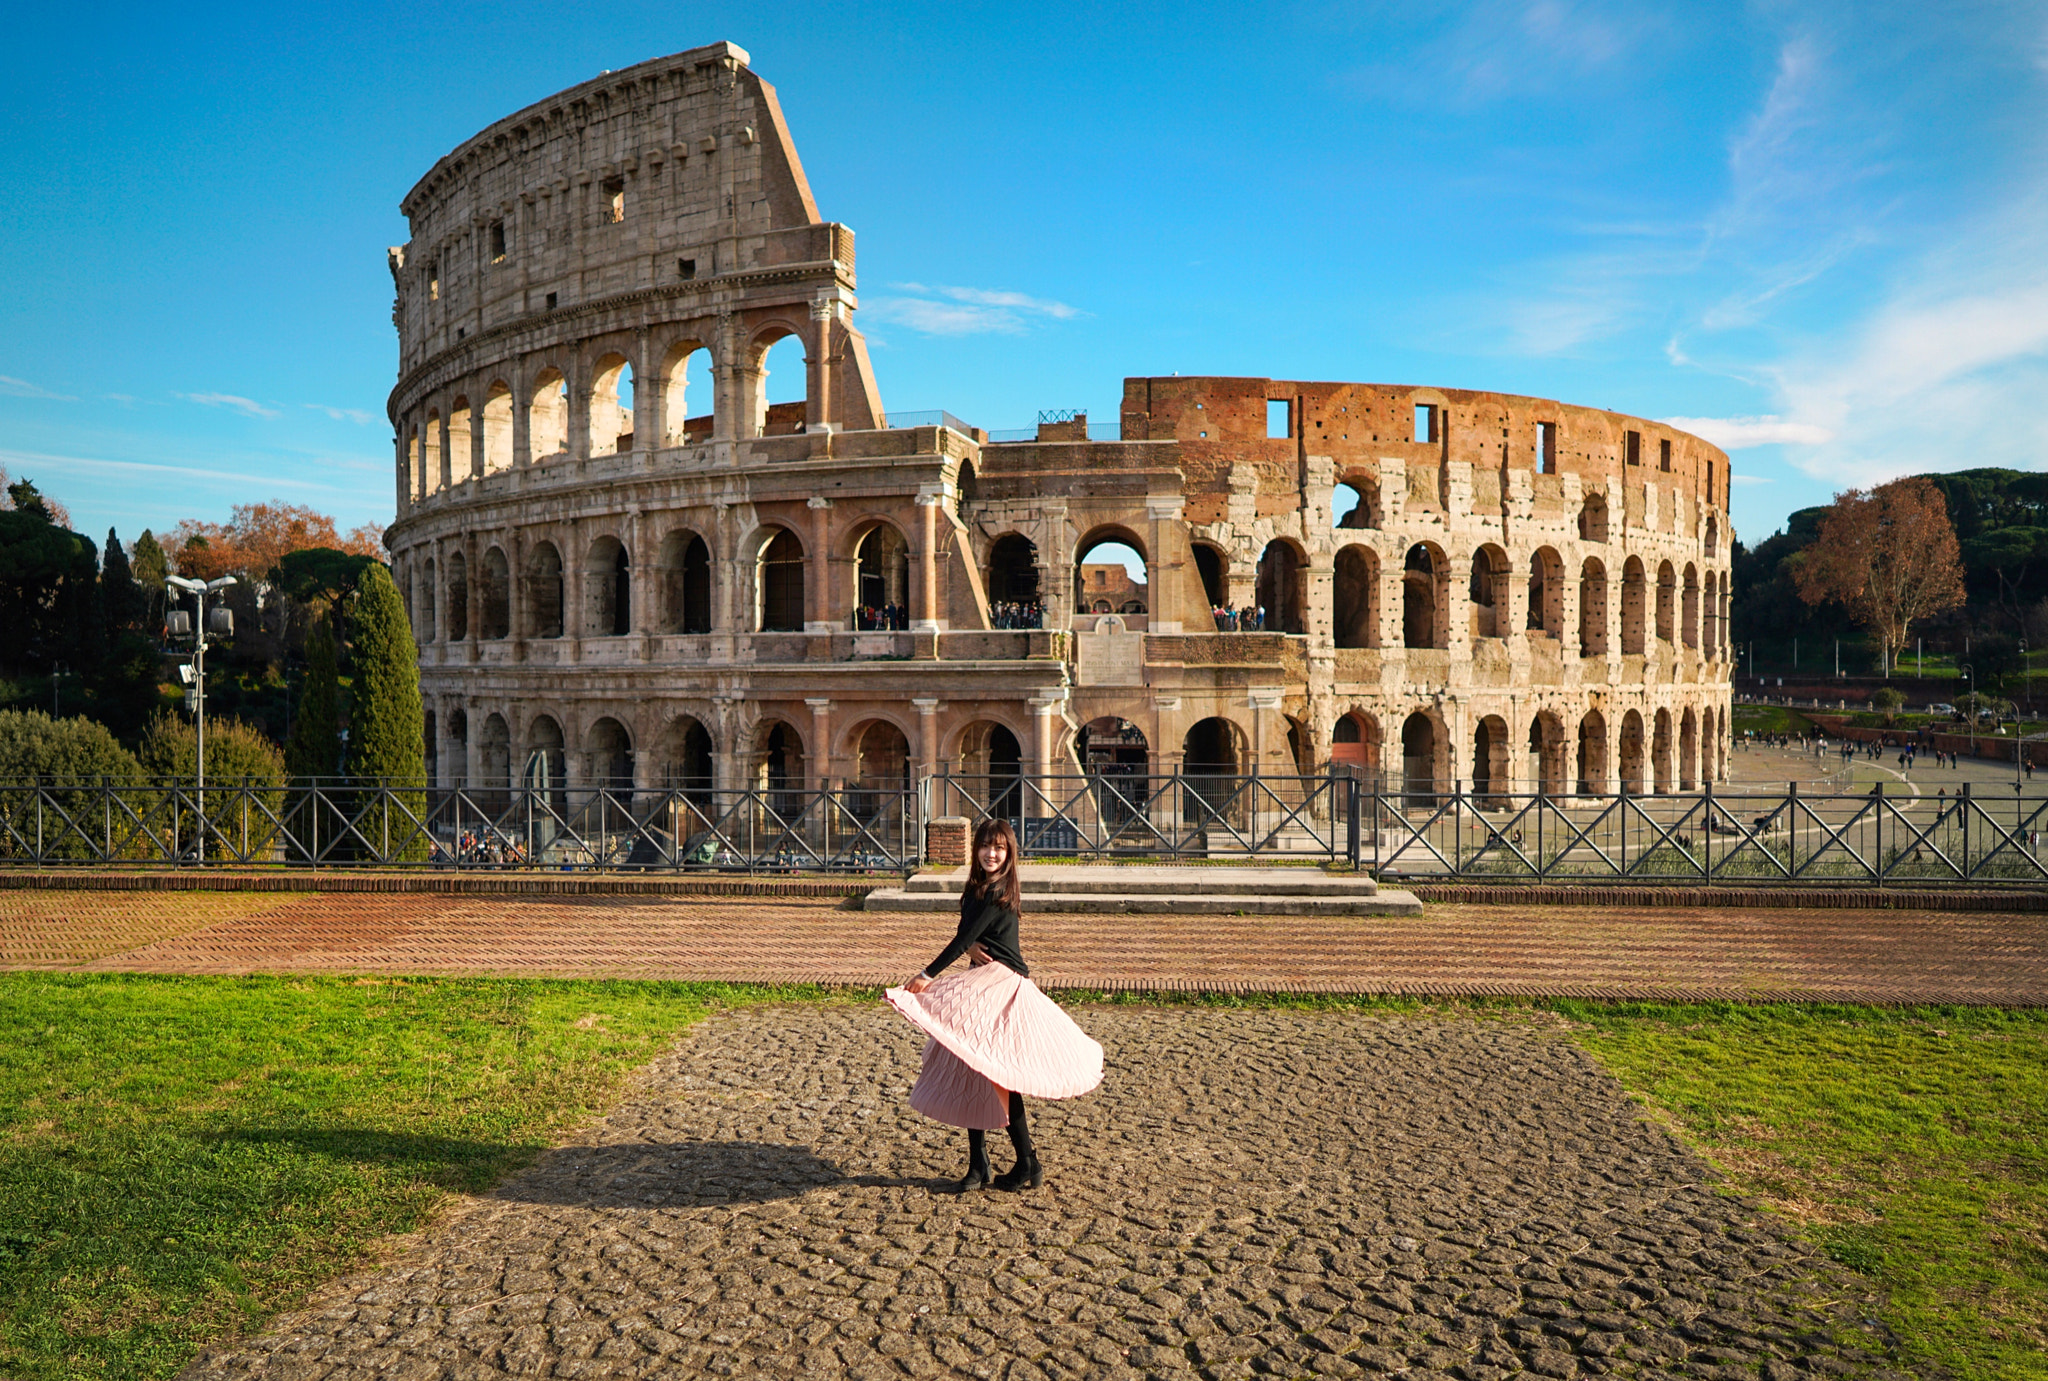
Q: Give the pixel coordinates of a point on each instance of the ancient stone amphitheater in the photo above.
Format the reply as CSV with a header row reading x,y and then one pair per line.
x,y
621,558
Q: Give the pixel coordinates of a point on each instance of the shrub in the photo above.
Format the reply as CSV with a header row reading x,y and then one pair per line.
x,y
244,781
1887,702
69,816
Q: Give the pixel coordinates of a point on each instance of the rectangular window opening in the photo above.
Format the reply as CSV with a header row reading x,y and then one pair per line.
x,y
1546,447
1276,419
1425,422
433,282
686,268
553,298
497,242
1664,454
1632,448
615,199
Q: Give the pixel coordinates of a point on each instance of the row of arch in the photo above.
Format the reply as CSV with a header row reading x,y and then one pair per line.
x,y
1355,505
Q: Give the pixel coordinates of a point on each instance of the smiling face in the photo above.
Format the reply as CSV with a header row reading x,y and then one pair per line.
x,y
992,855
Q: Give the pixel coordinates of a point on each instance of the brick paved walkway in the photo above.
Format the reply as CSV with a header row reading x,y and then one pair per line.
x,y
1882,956
1282,1193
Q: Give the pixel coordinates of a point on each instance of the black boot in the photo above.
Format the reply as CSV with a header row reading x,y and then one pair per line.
x,y
977,1176
1026,1173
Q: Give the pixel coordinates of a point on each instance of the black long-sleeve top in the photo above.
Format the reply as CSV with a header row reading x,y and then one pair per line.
x,y
988,923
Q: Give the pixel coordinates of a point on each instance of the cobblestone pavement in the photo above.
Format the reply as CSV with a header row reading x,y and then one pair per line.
x,y
1286,1193
1603,951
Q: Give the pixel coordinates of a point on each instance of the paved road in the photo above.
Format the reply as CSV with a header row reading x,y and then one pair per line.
x,y
1284,1193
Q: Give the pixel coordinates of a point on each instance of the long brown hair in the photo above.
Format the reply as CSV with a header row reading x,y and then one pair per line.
x,y
1000,887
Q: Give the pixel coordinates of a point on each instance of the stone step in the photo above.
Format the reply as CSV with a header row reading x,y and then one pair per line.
x,y
1160,880
1386,902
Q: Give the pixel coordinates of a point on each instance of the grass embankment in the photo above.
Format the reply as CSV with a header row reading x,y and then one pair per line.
x,y
1768,719
180,1158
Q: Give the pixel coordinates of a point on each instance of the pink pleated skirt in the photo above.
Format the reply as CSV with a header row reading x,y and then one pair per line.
x,y
993,1032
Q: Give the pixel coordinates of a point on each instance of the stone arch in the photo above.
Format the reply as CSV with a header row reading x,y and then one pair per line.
x,y
409,476
1214,753
1425,581
1632,753
1592,757
1363,509
608,746
1689,623
686,759
608,588
429,595
1422,753
1667,603
1355,742
1661,775
432,477
881,583
787,418
1212,564
1710,617
460,439
497,427
1688,751
456,581
547,415
1493,772
1102,535
494,598
777,765
1592,608
1282,584
779,581
1593,518
1488,591
1549,755
1546,593
989,754
545,748
1013,570
882,767
685,582
611,411
1634,607
966,489
1711,540
683,365
1355,597
494,761
543,592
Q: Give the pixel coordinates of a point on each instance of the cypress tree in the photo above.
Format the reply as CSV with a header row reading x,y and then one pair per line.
x,y
151,568
314,747
387,722
121,599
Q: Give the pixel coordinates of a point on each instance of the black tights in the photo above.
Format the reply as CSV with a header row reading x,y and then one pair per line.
x,y
1019,1129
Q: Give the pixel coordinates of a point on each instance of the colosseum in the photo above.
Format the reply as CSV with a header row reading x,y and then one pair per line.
x,y
621,557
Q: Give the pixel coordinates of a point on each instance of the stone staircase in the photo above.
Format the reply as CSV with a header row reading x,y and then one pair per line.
x,y
1117,889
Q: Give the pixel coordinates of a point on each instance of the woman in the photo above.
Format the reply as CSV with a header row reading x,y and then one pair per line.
x,y
994,1036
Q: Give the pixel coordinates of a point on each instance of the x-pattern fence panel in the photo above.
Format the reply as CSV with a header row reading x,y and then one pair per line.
x,y
1179,816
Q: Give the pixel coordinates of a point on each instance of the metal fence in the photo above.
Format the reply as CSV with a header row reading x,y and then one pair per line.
x,y
340,823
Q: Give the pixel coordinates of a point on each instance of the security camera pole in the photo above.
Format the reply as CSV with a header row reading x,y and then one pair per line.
x,y
223,624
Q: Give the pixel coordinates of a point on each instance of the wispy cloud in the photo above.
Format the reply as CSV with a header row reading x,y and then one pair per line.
x,y
1750,479
22,388
1504,48
240,481
1738,433
955,311
355,415
248,407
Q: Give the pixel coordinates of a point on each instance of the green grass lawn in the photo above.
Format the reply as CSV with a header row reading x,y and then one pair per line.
x,y
181,1158
1768,719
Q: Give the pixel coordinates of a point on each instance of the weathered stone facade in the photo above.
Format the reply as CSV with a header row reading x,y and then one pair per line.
x,y
1502,590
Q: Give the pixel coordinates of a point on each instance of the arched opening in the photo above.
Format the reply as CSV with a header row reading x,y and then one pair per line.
x,y
1592,754
547,418
1688,752
1112,747
610,754
1355,743
686,763
410,466
1713,534
1549,766
1422,589
1489,593
434,477
882,579
1660,753
456,747
611,407
1634,599
686,583
1280,588
1356,505
1214,569
544,591
782,389
966,490
780,581
1418,761
686,365
1710,635
1632,753
779,769
458,597
1212,758
1592,609
430,750
1546,593
992,763
494,762
494,605
608,583
881,759
1109,572
498,428
544,768
425,606
1355,597
1667,603
460,440
1493,771
1013,583
1593,518
1689,627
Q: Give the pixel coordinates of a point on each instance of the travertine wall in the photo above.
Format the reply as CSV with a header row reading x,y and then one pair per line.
x,y
1525,593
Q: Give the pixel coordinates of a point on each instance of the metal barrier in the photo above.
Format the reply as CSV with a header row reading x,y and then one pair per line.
x,y
341,823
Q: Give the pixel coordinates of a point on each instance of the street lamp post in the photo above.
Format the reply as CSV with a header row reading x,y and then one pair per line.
x,y
223,623
1971,717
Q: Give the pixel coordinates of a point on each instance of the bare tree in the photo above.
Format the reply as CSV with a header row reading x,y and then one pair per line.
x,y
1890,554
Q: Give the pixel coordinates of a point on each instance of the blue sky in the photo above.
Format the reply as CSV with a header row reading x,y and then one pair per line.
x,y
1819,231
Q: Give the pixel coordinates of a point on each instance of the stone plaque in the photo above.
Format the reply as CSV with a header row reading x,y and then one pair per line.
x,y
1109,659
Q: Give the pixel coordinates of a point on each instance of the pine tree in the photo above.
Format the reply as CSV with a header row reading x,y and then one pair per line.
x,y
121,599
151,569
313,748
387,722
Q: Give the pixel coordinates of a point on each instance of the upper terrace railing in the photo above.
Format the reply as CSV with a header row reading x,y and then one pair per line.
x,y
1424,832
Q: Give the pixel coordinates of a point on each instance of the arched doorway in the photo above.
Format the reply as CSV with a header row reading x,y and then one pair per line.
x,y
1634,607
1013,583
1419,762
990,764
779,770
881,770
1667,603
685,365
1212,760
1493,772
1688,752
494,603
1592,609
1593,518
781,583
544,591
686,761
1489,593
458,597
1117,758
1546,594
545,769
1632,753
1110,569
1422,615
1214,568
1549,766
494,763
1592,754
1689,621
1355,743
610,754
608,577
1355,597
1280,588
882,579
1660,753
686,583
